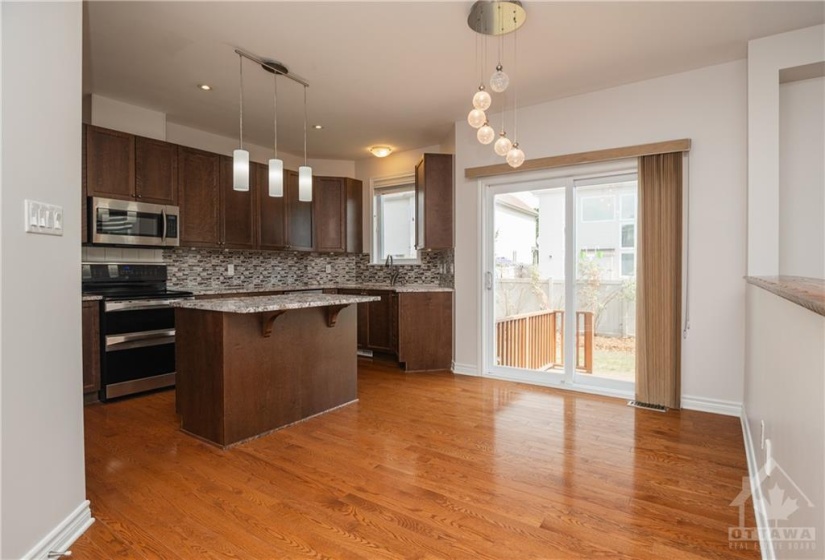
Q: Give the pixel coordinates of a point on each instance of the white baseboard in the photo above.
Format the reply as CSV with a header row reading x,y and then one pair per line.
x,y
62,536
714,406
765,543
465,369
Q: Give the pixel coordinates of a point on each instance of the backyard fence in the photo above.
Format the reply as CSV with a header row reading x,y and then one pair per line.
x,y
536,340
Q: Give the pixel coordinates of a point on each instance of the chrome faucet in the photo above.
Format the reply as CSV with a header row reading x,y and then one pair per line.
x,y
394,272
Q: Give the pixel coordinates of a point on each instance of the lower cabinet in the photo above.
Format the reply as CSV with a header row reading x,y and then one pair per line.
x,y
415,326
91,349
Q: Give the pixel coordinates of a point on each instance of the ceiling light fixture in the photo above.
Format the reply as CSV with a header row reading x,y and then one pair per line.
x,y
380,151
317,126
305,171
276,164
205,87
496,18
240,157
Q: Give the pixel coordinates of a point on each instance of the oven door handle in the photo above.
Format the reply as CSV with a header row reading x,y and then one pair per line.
x,y
138,305
163,220
128,341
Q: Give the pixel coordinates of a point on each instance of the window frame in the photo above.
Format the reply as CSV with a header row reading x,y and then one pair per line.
x,y
388,185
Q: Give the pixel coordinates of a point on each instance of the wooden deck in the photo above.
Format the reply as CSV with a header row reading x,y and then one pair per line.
x,y
424,466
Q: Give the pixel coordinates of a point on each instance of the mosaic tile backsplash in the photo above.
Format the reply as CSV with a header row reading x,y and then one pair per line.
x,y
207,268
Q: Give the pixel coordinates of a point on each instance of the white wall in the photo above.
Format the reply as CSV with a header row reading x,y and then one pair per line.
x,y
802,178
117,115
785,387
40,365
706,105
766,58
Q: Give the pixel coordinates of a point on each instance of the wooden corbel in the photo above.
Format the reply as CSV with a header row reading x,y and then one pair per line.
x,y
267,321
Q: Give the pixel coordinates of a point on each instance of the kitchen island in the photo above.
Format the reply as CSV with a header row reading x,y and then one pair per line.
x,y
249,365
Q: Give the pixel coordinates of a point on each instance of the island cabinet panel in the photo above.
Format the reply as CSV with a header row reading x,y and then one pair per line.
x,y
156,171
199,197
234,383
298,216
110,163
329,199
425,330
271,213
238,210
434,202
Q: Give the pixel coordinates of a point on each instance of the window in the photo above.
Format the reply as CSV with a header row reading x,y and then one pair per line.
x,y
628,236
394,223
629,264
629,206
598,208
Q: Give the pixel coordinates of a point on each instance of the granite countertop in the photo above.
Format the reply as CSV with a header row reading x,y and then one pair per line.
x,y
92,298
302,287
807,292
264,304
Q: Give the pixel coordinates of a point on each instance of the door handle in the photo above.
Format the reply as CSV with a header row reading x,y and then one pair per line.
x,y
489,282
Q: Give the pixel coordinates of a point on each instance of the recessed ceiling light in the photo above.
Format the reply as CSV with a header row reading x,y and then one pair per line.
x,y
317,126
380,151
205,87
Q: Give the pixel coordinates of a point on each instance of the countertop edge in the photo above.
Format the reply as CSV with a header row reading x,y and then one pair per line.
x,y
228,291
805,292
267,304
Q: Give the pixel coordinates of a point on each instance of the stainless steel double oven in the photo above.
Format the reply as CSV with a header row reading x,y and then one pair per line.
x,y
137,326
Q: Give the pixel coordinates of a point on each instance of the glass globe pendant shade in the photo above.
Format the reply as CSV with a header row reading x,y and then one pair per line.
x,y
240,170
486,134
502,145
499,80
276,177
482,99
476,118
515,157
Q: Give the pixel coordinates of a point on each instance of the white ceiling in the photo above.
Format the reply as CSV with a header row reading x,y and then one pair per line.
x,y
395,73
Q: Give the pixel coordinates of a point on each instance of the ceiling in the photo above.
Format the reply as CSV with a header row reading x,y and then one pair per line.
x,y
395,73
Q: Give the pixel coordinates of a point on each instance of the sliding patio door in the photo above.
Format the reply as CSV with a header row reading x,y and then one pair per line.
x,y
559,280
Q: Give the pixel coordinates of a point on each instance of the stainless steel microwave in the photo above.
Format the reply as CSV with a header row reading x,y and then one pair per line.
x,y
122,222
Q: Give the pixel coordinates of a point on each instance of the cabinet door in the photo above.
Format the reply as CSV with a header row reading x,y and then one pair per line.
x,y
298,216
379,321
199,197
91,346
271,213
354,224
84,207
110,163
434,202
156,171
329,207
394,322
238,210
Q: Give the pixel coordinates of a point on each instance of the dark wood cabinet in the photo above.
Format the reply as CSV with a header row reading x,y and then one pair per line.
x,y
237,210
298,216
91,349
199,197
425,330
156,171
338,210
394,322
110,163
434,202
379,321
271,213
84,205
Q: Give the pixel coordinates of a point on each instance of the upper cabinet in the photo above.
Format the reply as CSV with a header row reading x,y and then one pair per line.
x,y
298,216
110,163
199,197
238,210
156,171
127,167
271,212
434,202
337,207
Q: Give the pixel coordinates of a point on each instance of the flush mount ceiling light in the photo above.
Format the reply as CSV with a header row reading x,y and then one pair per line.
x,y
380,151
496,18
276,165
205,87
317,126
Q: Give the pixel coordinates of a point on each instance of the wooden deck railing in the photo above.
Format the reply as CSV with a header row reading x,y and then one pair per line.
x,y
536,340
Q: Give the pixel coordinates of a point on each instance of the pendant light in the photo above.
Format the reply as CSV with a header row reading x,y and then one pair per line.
x,y
499,80
515,156
305,172
240,157
276,165
486,134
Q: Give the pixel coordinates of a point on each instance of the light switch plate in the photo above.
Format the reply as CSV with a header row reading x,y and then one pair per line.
x,y
43,218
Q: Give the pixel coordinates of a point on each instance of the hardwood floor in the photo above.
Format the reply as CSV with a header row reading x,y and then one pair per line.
x,y
425,466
